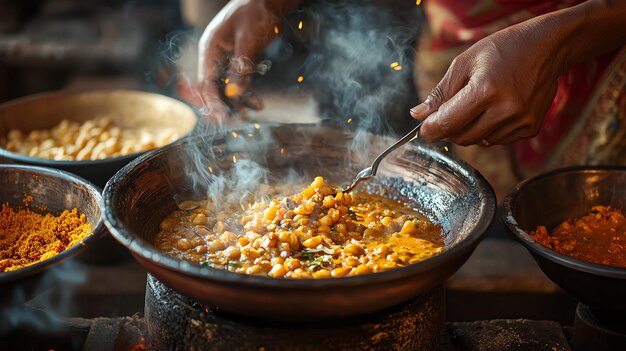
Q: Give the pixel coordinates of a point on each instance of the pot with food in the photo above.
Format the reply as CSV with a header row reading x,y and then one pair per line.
x,y
90,133
46,217
572,221
252,221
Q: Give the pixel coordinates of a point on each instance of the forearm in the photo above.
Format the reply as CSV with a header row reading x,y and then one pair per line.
x,y
588,30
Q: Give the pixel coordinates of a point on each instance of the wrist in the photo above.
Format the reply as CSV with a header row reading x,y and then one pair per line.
x,y
587,30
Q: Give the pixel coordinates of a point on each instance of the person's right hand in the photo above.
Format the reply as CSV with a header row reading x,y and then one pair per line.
x,y
228,49
499,90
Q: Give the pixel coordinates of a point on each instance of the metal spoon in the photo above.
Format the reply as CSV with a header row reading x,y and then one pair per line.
x,y
370,171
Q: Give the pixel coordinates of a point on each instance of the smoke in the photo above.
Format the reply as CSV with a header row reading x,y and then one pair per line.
x,y
358,65
245,66
226,166
65,278
361,63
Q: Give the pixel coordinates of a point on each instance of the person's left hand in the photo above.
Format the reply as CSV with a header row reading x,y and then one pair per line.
x,y
228,49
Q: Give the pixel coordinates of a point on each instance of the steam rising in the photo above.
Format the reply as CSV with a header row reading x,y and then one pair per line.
x,y
356,44
358,67
66,277
244,66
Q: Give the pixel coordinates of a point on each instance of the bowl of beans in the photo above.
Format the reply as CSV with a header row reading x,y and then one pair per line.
x,y
46,216
90,133
253,220
572,221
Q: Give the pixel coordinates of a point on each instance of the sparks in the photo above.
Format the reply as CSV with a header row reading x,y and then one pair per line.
x,y
234,134
234,159
300,79
210,169
445,148
418,2
397,68
250,135
257,126
227,80
349,120
282,150
394,64
276,29
232,90
300,25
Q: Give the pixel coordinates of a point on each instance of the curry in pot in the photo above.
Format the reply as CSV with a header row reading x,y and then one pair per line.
x,y
597,237
317,233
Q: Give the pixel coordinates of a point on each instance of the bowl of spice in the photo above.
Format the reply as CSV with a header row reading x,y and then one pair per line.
x,y
572,221
90,133
46,216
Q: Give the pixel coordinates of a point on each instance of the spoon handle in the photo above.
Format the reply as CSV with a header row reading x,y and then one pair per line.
x,y
410,136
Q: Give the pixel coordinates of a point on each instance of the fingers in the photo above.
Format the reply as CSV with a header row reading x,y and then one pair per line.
x,y
450,84
481,120
482,126
460,114
242,68
212,56
213,59
522,127
522,120
214,110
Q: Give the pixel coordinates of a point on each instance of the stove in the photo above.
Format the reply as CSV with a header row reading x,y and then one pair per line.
x,y
596,329
176,322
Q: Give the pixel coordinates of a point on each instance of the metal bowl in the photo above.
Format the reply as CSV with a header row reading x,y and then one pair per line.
x,y
448,191
131,109
56,191
551,198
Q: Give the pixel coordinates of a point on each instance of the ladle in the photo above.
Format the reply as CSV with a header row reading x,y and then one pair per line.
x,y
370,171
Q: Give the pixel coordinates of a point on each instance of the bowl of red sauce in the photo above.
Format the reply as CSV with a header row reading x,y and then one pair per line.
x,y
572,222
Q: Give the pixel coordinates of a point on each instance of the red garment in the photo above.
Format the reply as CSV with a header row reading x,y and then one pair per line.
x,y
458,24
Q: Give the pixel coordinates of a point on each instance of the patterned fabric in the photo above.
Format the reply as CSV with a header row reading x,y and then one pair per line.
x,y
456,23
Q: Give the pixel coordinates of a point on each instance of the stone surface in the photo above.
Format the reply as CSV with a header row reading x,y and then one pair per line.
x,y
130,334
509,335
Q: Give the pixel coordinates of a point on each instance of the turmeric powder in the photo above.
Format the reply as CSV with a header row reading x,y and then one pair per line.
x,y
27,237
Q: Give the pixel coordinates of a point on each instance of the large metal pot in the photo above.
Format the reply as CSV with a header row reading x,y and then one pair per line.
x,y
448,191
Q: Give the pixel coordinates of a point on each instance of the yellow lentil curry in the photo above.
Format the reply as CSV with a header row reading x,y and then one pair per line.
x,y
28,237
316,233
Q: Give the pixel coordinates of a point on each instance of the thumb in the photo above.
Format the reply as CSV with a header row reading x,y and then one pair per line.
x,y
450,84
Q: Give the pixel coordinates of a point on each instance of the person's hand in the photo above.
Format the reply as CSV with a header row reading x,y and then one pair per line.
x,y
496,92
499,90
228,49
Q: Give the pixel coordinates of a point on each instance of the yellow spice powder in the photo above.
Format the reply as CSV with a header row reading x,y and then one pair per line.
x,y
27,237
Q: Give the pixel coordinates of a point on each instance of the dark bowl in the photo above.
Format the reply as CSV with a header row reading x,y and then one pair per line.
x,y
127,108
448,191
551,198
56,191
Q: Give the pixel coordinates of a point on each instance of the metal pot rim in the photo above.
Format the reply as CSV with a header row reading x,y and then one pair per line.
x,y
98,230
64,163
